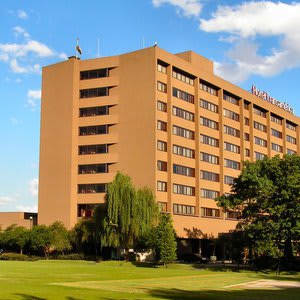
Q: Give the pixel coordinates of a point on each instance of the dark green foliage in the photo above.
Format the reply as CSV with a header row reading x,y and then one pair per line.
x,y
165,240
71,256
14,256
268,194
60,237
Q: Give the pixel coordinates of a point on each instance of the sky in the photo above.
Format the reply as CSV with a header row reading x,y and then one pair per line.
x,y
250,42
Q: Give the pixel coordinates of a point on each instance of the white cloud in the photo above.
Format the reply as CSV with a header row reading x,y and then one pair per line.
x,y
34,186
15,121
189,8
6,200
19,31
22,14
16,68
27,208
63,55
246,22
33,98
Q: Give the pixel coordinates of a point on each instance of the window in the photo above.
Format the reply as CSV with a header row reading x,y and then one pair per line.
x,y
205,139
209,88
161,125
161,186
232,164
93,169
162,146
259,156
183,190
210,212
291,126
188,134
233,215
208,105
162,66
246,105
183,170
229,179
246,121
182,151
184,114
183,95
209,194
91,188
231,115
247,152
162,106
91,74
291,139
260,126
276,119
231,131
246,136
231,147
162,206
183,209
276,133
276,147
183,76
95,92
209,123
85,210
93,111
212,159
291,152
162,87
93,149
162,166
259,111
209,176
230,99
260,142
92,130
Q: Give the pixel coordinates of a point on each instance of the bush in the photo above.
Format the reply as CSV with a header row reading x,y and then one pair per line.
x,y
71,256
14,256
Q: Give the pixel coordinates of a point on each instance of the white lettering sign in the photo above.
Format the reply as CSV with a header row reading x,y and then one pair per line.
x,y
265,96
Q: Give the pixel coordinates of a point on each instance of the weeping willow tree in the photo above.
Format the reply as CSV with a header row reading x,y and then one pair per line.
x,y
131,213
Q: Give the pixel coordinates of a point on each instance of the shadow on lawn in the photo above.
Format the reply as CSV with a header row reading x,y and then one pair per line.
x,y
30,297
177,294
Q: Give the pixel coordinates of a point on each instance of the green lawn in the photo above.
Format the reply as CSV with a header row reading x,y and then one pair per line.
x,y
81,280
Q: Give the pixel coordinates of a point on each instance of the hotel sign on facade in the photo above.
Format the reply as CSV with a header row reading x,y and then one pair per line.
x,y
265,96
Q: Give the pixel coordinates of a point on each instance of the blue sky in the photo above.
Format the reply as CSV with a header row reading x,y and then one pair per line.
x,y
251,42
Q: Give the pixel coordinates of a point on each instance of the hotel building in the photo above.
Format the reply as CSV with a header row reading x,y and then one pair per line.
x,y
165,120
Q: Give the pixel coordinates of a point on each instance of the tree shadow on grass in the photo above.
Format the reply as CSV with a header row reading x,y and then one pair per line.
x,y
251,294
30,297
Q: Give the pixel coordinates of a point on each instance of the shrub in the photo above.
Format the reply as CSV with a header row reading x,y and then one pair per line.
x,y
71,256
14,256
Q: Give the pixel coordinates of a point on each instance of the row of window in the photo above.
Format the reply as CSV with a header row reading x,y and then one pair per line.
x,y
94,111
183,95
93,169
183,76
92,74
184,114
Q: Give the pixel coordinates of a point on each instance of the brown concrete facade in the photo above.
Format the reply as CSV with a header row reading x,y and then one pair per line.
x,y
25,219
165,120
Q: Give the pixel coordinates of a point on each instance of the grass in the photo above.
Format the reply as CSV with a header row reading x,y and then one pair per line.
x,y
81,280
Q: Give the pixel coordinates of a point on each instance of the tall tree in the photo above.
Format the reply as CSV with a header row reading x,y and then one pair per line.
x,y
60,237
15,238
130,213
267,193
165,240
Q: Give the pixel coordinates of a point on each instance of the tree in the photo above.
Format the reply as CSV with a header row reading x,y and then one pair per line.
x,y
130,213
267,193
15,238
41,239
165,240
59,237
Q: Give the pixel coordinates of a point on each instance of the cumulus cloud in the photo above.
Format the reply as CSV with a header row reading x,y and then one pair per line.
x,y
33,98
21,14
6,200
250,20
63,56
189,8
34,186
27,208
14,121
